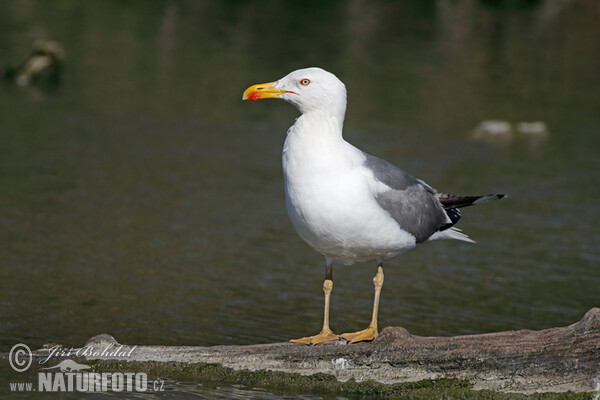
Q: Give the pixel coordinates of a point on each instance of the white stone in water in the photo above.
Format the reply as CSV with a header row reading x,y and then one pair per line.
x,y
535,128
494,130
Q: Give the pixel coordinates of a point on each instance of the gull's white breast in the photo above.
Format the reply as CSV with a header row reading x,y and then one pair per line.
x,y
330,198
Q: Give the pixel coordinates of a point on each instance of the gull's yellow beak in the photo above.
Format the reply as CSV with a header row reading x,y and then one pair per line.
x,y
262,91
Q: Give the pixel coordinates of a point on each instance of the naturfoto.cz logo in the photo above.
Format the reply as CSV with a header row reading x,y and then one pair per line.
x,y
70,376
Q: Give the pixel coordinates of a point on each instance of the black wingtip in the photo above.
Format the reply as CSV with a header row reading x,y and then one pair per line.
x,y
453,201
490,197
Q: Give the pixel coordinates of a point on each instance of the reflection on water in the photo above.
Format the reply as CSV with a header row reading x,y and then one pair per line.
x,y
142,198
198,391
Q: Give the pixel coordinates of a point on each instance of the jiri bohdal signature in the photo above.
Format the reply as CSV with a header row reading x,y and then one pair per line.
x,y
89,351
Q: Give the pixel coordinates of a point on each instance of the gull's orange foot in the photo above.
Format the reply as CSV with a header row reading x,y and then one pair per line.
x,y
366,335
323,336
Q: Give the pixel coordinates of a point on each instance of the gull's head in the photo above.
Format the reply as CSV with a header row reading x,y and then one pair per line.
x,y
309,89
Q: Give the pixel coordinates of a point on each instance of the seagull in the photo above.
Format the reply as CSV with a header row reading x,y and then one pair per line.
x,y
346,204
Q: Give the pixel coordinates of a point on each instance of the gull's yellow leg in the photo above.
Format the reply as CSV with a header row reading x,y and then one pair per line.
x,y
371,332
326,335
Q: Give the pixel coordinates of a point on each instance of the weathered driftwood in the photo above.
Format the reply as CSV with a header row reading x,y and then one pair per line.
x,y
551,360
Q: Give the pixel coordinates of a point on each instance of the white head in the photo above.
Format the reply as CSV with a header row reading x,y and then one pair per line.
x,y
309,89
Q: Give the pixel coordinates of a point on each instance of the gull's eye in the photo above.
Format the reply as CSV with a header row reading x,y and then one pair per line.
x,y
305,82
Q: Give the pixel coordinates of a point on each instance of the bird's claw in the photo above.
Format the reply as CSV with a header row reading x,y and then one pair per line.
x,y
323,336
366,335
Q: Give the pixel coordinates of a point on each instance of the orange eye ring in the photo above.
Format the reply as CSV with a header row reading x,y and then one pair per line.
x,y
305,82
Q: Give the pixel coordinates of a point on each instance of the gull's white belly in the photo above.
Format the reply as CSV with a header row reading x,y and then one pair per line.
x,y
334,211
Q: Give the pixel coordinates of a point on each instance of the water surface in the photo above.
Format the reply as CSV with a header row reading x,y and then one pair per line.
x,y
142,198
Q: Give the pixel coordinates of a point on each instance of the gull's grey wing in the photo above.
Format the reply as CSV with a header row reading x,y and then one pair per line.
x,y
410,201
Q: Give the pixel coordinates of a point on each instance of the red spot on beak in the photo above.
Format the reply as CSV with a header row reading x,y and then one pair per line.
x,y
254,96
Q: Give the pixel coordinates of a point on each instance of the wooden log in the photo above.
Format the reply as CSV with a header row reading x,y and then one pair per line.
x,y
551,360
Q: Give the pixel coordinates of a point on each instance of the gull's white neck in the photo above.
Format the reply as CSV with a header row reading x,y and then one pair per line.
x,y
315,147
318,124
313,144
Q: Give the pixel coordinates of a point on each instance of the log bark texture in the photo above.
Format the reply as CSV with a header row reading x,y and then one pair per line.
x,y
550,360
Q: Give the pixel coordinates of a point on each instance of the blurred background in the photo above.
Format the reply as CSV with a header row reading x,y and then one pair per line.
x,y
140,197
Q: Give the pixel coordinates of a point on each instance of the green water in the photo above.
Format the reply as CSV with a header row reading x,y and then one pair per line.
x,y
142,198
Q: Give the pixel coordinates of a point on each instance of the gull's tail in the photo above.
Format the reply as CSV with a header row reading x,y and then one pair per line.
x,y
451,204
456,234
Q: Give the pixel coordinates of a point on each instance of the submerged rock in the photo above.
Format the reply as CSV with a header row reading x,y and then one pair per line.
x,y
536,129
533,133
494,130
43,65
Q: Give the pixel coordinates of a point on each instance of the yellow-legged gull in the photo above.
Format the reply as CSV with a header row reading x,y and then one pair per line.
x,y
346,204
